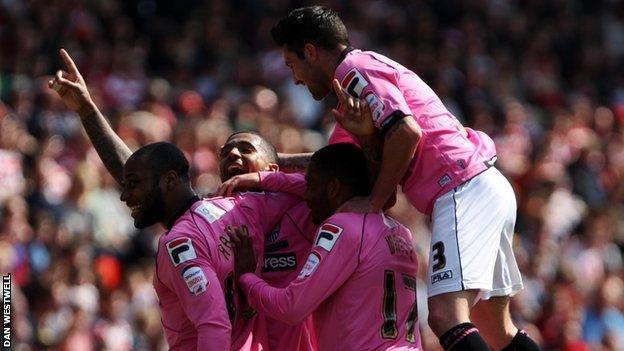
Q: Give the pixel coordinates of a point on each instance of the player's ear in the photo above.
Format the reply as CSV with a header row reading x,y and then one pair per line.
x,y
333,187
310,52
169,179
273,167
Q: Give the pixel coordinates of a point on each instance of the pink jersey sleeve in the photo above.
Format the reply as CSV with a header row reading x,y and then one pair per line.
x,y
484,144
187,271
376,83
291,183
332,260
341,135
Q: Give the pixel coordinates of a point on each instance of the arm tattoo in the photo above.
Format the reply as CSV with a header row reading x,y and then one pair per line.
x,y
294,162
109,146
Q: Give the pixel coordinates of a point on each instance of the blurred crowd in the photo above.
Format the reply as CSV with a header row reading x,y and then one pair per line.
x,y
544,78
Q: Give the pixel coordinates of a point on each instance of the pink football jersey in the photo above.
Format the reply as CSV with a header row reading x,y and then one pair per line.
x,y
359,281
286,249
445,157
200,305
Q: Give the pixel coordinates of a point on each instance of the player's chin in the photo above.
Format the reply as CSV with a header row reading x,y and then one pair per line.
x,y
141,222
317,94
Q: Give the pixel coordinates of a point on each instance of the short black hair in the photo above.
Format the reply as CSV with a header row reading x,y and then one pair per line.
x,y
267,147
347,163
317,25
163,157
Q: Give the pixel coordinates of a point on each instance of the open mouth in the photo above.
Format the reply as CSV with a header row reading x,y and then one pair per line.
x,y
236,169
135,210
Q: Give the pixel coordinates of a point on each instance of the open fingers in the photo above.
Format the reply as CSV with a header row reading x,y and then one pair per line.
x,y
224,188
364,109
233,183
234,236
61,78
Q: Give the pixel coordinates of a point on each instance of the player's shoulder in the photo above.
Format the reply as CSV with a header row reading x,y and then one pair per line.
x,y
346,221
366,61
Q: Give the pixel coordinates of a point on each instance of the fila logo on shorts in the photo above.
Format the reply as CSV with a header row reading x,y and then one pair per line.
x,y
354,83
181,250
327,236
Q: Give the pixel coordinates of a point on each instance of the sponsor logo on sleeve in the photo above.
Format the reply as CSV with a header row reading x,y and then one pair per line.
x,y
210,211
181,250
310,266
195,279
376,106
327,236
441,276
354,83
279,262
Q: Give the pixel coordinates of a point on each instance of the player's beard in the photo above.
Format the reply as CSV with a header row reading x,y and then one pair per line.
x,y
152,211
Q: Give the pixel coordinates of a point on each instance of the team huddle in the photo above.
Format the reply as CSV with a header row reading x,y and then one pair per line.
x,y
294,261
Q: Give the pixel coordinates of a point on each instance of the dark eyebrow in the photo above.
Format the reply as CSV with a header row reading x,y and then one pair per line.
x,y
230,144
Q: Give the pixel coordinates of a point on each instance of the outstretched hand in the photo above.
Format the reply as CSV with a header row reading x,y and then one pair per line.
x,y
71,87
354,114
239,182
244,256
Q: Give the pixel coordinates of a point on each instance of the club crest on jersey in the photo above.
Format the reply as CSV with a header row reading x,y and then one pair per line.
x,y
354,83
195,279
376,106
273,235
310,266
327,236
210,211
181,250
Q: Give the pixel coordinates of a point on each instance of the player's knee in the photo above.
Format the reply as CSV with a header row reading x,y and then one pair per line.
x,y
440,318
445,312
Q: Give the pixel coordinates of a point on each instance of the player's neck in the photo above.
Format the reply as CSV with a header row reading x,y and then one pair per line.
x,y
331,60
180,201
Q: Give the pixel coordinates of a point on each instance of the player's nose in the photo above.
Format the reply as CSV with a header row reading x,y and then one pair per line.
x,y
234,153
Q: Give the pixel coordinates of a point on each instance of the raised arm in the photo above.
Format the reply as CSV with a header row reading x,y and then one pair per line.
x,y
72,89
290,183
293,162
355,115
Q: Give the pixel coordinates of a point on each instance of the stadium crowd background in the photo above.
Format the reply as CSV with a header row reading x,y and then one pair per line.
x,y
544,78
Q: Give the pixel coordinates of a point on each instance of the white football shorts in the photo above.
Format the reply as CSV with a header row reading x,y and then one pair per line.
x,y
472,236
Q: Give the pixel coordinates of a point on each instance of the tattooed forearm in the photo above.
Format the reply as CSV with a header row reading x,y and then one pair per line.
x,y
109,146
293,162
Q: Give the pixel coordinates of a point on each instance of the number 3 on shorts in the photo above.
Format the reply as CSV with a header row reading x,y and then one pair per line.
x,y
439,261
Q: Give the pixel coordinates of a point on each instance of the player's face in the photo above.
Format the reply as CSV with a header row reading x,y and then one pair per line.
x,y
242,154
142,194
316,196
308,73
